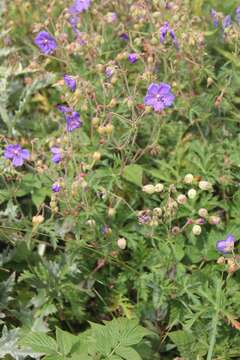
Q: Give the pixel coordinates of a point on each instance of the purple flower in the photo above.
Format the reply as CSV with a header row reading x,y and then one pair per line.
x,y
111,17
238,14
46,42
56,187
109,72
79,6
214,17
132,57
166,29
227,21
57,154
159,96
227,245
124,36
70,82
72,117
17,154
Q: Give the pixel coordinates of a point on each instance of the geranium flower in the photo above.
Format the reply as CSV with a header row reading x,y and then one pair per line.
x,y
159,96
17,154
46,42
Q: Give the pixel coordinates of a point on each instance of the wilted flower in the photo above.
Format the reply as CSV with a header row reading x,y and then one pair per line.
x,y
56,187
56,154
227,245
70,82
238,14
132,57
124,36
166,29
227,21
159,96
17,154
72,117
109,71
214,18
144,217
46,42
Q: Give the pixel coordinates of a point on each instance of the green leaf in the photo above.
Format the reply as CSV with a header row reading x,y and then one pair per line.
x,y
40,342
133,174
128,353
65,341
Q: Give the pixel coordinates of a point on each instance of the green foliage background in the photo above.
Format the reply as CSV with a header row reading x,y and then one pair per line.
x,y
166,278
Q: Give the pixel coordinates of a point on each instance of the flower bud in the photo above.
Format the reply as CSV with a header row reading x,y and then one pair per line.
x,y
111,212
188,179
157,211
112,103
41,249
181,199
204,185
96,156
203,212
159,187
37,220
91,222
196,230
192,193
200,221
214,220
122,243
149,189
221,260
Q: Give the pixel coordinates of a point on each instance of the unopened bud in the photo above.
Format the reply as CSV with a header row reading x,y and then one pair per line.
x,y
157,211
181,199
37,220
41,249
149,189
196,230
192,193
204,185
95,121
221,260
214,220
188,179
122,243
111,212
96,156
159,187
203,212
